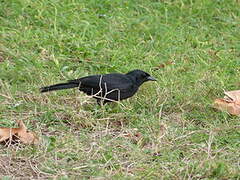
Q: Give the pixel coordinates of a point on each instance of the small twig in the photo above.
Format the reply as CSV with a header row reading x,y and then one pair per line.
x,y
3,95
209,143
193,132
101,97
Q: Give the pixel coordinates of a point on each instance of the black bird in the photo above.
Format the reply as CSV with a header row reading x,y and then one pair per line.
x,y
107,87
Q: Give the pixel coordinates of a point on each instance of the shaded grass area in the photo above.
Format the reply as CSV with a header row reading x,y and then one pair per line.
x,y
168,130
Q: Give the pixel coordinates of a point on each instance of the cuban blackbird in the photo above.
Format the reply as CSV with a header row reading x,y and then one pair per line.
x,y
107,87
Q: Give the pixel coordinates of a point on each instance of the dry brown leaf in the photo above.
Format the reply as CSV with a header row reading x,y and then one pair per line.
x,y
163,65
233,95
20,133
230,103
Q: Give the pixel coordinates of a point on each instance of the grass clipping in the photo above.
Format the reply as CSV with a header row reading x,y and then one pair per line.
x,y
230,102
20,133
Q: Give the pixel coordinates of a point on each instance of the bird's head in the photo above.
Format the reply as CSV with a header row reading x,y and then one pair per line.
x,y
140,76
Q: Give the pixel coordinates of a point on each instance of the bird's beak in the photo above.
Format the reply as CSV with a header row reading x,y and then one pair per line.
x,y
150,78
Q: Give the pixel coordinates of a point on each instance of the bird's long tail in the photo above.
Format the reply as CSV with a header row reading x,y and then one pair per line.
x,y
68,85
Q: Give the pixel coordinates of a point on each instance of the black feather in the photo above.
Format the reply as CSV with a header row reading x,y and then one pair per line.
x,y
108,87
58,87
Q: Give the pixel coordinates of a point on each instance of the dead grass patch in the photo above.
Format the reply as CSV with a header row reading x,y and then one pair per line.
x,y
22,168
2,57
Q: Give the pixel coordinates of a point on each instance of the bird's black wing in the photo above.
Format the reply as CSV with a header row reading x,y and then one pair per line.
x,y
118,86
115,81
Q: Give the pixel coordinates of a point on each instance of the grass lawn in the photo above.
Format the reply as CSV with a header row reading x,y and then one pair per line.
x,y
168,130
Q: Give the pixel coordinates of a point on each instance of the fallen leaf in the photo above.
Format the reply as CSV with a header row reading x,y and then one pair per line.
x,y
233,95
135,137
20,133
163,65
230,102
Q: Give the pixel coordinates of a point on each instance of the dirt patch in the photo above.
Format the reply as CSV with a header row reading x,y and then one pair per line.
x,y
176,119
1,57
19,168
